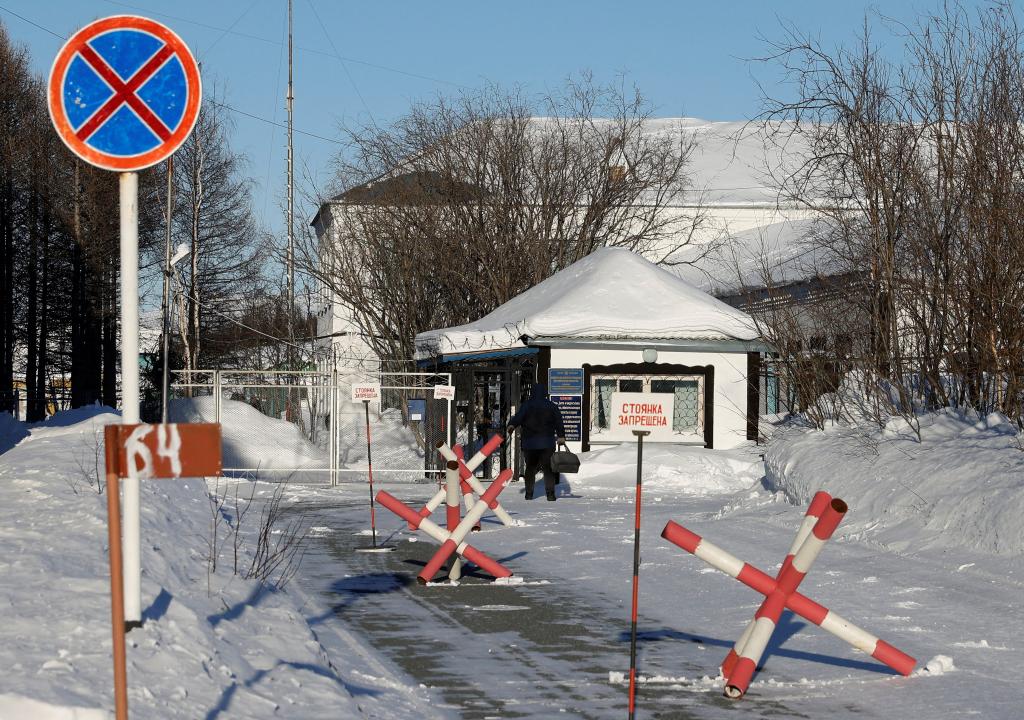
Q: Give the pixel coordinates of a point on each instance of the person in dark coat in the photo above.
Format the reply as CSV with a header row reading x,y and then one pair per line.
x,y
541,422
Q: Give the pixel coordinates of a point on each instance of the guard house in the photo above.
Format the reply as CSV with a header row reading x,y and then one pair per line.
x,y
611,322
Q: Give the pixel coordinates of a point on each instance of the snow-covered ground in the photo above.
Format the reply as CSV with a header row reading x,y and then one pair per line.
x,y
228,649
914,562
929,558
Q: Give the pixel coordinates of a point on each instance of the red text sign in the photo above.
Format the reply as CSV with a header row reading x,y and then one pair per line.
x,y
642,411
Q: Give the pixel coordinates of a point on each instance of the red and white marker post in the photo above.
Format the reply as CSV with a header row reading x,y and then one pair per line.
x,y
795,601
454,517
142,452
640,434
467,491
364,393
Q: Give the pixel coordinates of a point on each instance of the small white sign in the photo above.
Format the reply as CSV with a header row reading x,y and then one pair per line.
x,y
444,392
365,392
642,411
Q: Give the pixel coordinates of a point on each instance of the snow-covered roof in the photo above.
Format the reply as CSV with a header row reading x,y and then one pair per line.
x,y
777,254
612,294
731,165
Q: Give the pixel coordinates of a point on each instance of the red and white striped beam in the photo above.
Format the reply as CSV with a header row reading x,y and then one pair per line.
x,y
454,517
466,472
467,492
818,504
453,541
798,603
766,619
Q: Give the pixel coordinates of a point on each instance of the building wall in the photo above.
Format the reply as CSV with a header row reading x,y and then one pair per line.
x,y
729,392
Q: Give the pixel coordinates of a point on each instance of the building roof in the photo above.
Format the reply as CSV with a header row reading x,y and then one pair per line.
x,y
612,294
731,167
771,255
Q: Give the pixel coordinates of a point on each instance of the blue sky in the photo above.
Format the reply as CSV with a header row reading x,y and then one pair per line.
x,y
686,57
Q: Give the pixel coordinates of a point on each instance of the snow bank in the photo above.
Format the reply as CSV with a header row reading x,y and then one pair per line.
x,y
251,439
394,444
684,469
961,485
232,648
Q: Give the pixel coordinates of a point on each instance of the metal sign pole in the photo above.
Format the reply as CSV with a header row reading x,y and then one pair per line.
x,y
636,572
165,320
129,192
369,471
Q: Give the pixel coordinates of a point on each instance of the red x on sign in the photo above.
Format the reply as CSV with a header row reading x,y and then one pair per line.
x,y
124,92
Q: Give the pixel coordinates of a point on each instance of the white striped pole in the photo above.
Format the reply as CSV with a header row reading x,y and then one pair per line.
x,y
818,504
766,619
466,473
798,603
451,474
484,452
640,434
432,504
467,489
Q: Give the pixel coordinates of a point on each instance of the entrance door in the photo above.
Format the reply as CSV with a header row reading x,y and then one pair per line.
x,y
489,408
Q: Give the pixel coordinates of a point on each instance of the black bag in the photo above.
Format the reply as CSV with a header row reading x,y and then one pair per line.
x,y
565,461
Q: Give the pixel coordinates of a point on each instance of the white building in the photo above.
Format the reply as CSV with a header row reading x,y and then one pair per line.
x,y
611,322
730,184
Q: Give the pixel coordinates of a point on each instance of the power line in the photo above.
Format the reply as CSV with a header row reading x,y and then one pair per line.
x,y
181,295
297,47
220,37
211,100
274,123
344,66
33,24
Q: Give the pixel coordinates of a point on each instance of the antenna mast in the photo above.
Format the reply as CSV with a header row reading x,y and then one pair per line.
x,y
291,201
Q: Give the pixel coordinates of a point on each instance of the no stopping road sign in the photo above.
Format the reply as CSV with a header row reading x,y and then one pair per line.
x,y
124,93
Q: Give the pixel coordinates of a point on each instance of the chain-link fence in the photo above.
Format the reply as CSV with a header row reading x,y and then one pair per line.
x,y
302,426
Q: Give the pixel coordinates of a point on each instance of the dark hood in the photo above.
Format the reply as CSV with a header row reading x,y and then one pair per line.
x,y
538,392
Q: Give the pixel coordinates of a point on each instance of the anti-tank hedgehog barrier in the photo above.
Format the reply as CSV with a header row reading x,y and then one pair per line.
x,y
766,619
454,541
818,504
794,600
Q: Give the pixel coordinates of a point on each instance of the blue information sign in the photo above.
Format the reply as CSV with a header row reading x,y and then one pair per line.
x,y
571,407
417,408
565,381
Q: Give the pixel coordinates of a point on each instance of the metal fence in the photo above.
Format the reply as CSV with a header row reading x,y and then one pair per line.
x,y
302,426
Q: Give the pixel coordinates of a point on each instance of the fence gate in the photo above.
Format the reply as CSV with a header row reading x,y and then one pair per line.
x,y
302,426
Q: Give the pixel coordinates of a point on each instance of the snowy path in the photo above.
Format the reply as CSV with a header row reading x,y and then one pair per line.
x,y
557,645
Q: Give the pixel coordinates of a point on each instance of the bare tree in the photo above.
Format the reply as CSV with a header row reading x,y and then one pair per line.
x,y
915,168
467,201
213,216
